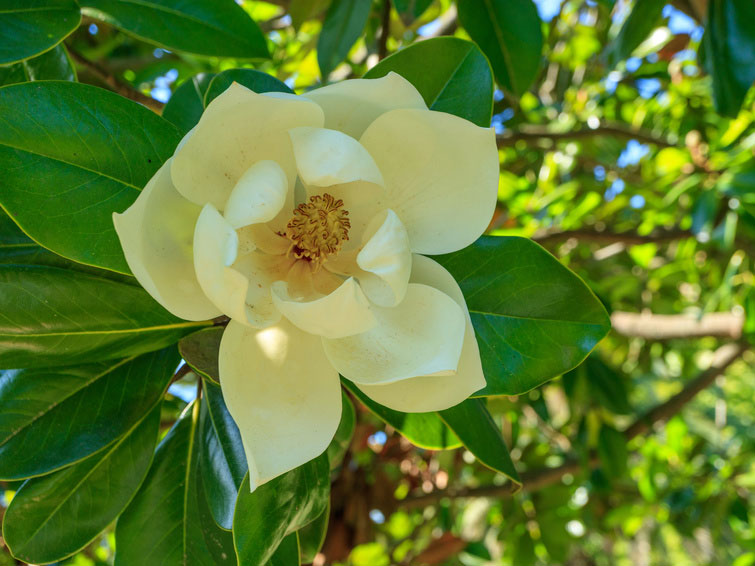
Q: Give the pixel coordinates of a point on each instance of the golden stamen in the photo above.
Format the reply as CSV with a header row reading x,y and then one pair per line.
x,y
318,229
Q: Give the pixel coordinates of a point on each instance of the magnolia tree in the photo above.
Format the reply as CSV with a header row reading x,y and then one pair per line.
x,y
271,291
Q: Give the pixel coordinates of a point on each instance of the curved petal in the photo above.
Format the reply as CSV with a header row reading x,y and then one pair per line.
x,y
258,196
441,176
156,233
344,312
386,261
283,394
238,129
422,335
435,392
329,157
215,249
350,106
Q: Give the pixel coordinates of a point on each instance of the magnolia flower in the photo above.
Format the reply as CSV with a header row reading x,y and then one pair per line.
x,y
302,218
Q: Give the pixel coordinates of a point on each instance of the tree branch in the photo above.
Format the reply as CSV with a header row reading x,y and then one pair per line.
x,y
665,327
385,30
115,84
537,479
532,134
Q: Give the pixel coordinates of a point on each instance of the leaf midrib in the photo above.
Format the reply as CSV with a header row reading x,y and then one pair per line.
x,y
501,43
534,319
104,332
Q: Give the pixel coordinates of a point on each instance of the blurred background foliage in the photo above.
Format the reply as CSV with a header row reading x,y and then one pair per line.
x,y
626,142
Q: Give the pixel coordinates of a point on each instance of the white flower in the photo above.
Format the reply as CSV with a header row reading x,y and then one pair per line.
x,y
301,218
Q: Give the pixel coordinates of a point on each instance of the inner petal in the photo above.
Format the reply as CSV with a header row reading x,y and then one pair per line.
x,y
258,196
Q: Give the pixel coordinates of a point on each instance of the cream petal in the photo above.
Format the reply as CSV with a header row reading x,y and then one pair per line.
x,y
422,335
435,392
282,393
156,233
350,106
441,176
215,249
344,312
264,238
386,261
329,157
259,195
238,129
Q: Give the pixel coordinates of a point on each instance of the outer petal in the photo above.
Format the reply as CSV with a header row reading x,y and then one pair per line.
x,y
350,106
422,335
441,176
238,129
259,195
344,312
283,394
215,249
435,392
156,233
329,157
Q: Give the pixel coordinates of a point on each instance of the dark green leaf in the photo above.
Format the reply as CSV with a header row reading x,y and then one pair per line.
x,y
200,350
475,427
344,22
251,79
607,386
612,450
222,457
526,307
73,154
425,430
342,439
57,515
451,74
410,10
644,18
55,316
288,553
278,508
52,418
206,27
508,32
51,65
312,536
729,43
29,27
186,105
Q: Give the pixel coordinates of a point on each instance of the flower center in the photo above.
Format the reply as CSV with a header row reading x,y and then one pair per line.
x,y
318,229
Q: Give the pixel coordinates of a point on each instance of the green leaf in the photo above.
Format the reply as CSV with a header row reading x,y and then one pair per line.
x,y
410,10
525,307
251,79
218,28
425,430
51,65
164,523
509,33
278,508
185,107
312,536
644,18
288,553
221,456
729,43
200,350
612,450
73,154
30,27
343,24
475,427
606,386
55,316
55,417
342,439
451,74
57,515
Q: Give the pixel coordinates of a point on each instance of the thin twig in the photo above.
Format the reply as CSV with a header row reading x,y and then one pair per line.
x,y
532,134
385,30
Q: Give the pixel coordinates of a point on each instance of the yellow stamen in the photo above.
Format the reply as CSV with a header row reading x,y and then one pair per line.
x,y
318,229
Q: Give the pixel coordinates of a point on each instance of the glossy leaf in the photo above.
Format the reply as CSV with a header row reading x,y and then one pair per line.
x,y
55,316
200,350
425,430
508,32
73,154
30,27
222,457
50,65
163,523
57,515
278,508
729,43
343,24
186,104
342,439
451,74
219,28
644,17
251,79
525,306
312,536
287,553
475,427
55,417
